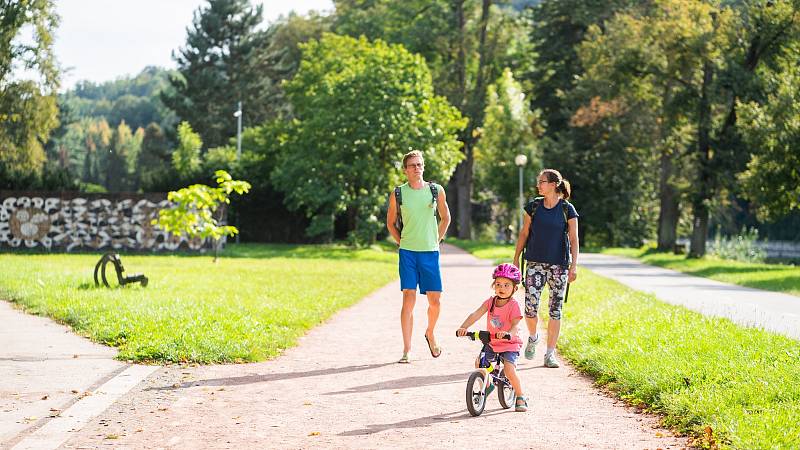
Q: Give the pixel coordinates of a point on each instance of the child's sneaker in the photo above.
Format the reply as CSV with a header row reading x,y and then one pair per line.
x,y
551,361
530,349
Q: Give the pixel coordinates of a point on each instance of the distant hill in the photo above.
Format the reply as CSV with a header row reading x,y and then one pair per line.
x,y
136,100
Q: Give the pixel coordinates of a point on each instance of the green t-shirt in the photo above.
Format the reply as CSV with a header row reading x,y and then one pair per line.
x,y
420,227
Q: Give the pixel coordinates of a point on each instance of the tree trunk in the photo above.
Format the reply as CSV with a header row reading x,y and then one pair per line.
x,y
668,208
463,177
472,107
704,183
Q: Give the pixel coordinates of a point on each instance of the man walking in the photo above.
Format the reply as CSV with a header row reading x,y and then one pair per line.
x,y
418,238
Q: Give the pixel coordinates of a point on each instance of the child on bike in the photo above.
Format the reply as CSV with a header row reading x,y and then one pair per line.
x,y
502,317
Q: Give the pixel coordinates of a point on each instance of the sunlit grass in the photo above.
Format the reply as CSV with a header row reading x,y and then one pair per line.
x,y
249,306
770,277
695,371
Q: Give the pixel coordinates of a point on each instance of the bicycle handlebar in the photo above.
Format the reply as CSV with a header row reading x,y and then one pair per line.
x,y
483,336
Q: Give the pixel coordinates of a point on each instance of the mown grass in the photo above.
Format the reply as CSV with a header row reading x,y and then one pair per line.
x,y
249,306
770,277
696,371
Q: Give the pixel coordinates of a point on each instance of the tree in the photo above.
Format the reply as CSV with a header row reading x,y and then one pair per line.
x,y
122,157
359,106
28,86
198,210
772,130
219,66
646,61
98,145
510,129
466,44
282,54
186,158
559,26
154,162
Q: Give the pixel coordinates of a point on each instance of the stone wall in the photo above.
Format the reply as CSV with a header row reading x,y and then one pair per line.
x,y
71,221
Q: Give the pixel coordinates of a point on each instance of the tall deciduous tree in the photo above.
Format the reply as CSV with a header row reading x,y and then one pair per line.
x,y
359,106
219,66
28,85
186,159
510,129
772,131
466,44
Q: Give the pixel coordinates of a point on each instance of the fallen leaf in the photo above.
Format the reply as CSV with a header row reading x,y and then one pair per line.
x,y
659,434
112,436
314,433
75,391
307,404
45,397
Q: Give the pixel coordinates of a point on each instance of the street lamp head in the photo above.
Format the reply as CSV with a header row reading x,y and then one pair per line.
x,y
237,113
521,160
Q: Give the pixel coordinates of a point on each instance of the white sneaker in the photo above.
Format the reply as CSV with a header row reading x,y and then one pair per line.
x,y
551,361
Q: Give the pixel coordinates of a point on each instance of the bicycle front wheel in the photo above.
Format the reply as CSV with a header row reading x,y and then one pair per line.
x,y
506,395
476,398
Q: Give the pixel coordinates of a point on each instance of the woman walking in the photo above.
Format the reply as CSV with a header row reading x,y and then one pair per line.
x,y
549,239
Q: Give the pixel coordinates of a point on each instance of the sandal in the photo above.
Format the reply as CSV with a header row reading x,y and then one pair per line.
x,y
435,351
489,389
521,404
404,359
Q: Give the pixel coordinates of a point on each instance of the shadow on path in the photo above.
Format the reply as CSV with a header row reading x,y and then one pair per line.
x,y
415,423
261,378
412,382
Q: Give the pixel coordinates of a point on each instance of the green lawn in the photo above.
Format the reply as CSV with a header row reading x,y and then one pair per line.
x,y
695,371
249,306
771,277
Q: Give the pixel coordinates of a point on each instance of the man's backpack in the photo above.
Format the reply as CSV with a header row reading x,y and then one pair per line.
x,y
398,196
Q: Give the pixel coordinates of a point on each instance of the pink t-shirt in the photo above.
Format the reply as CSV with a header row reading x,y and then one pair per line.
x,y
500,319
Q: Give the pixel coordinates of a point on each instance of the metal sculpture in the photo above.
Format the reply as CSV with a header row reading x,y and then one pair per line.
x,y
113,258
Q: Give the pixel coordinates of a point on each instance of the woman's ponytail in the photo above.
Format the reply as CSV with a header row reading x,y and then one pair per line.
x,y
564,189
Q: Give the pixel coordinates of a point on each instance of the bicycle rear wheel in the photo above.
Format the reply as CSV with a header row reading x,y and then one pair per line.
x,y
476,399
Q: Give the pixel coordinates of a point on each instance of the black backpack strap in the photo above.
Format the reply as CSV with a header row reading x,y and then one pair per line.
x,y
398,197
434,191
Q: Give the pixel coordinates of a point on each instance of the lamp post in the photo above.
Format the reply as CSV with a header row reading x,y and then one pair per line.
x,y
520,161
238,115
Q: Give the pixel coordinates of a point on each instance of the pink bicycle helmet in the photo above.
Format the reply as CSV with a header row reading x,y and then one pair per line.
x,y
509,271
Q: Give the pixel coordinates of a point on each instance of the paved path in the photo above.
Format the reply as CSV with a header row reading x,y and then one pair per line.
x,y
341,388
772,311
49,380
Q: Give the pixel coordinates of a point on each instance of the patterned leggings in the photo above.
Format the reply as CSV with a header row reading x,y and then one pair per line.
x,y
536,275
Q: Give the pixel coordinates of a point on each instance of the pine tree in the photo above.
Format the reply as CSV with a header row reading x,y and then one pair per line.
x,y
218,67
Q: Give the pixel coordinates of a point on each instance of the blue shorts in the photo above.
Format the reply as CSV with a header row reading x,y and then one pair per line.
x,y
487,354
420,268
